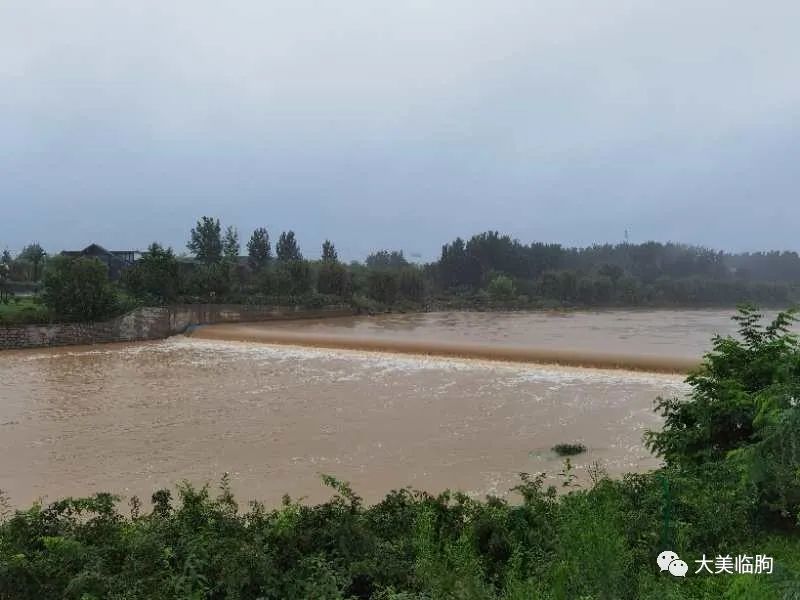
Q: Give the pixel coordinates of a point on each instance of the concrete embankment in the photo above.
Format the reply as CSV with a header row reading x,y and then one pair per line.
x,y
151,323
575,358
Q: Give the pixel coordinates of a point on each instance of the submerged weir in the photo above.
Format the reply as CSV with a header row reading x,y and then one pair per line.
x,y
467,350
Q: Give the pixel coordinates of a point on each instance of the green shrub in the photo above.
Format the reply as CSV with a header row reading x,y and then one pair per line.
x,y
742,410
502,287
77,289
599,542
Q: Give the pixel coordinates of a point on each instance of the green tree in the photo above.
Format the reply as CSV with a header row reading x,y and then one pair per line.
x,y
5,274
211,281
286,248
21,270
258,249
384,259
291,278
410,284
613,272
738,383
333,278
5,270
329,252
155,276
36,256
230,244
77,289
205,240
382,285
502,287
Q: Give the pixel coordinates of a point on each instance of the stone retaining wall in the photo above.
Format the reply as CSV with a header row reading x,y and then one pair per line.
x,y
150,323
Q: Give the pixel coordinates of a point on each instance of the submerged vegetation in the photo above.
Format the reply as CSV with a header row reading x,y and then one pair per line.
x,y
571,449
489,271
730,488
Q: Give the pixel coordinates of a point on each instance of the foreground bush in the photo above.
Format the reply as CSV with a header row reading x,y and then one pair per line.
x,y
595,543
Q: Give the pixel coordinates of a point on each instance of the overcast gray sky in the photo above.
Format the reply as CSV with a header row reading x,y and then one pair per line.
x,y
400,124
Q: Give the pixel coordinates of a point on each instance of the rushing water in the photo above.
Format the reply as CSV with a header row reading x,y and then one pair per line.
x,y
131,418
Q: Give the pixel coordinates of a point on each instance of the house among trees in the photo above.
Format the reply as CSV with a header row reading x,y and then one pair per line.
x,y
116,260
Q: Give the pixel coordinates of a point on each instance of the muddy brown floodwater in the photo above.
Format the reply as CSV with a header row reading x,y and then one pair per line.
x,y
132,418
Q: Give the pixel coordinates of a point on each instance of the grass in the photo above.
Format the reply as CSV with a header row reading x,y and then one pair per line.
x,y
23,310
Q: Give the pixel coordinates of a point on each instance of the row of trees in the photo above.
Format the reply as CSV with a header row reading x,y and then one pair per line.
x,y
487,268
210,245
28,265
624,274
218,272
472,262
79,288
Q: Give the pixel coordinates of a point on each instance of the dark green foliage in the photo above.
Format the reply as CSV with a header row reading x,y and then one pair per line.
x,y
77,289
230,244
289,279
5,270
649,274
486,272
36,256
501,288
205,240
384,259
738,380
333,278
595,543
382,285
410,284
287,248
210,282
743,410
155,277
258,249
569,449
329,252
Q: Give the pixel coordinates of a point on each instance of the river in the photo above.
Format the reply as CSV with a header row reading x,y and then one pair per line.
x,y
132,418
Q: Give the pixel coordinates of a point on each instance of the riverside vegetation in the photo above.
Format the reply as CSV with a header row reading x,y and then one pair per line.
x,y
488,271
730,485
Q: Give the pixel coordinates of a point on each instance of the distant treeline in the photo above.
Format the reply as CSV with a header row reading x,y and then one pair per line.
x,y
489,270
651,273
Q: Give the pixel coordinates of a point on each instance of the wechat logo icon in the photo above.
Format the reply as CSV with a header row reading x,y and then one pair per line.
x,y
669,561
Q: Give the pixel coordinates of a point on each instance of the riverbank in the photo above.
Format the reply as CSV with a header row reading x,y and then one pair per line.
x,y
153,323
